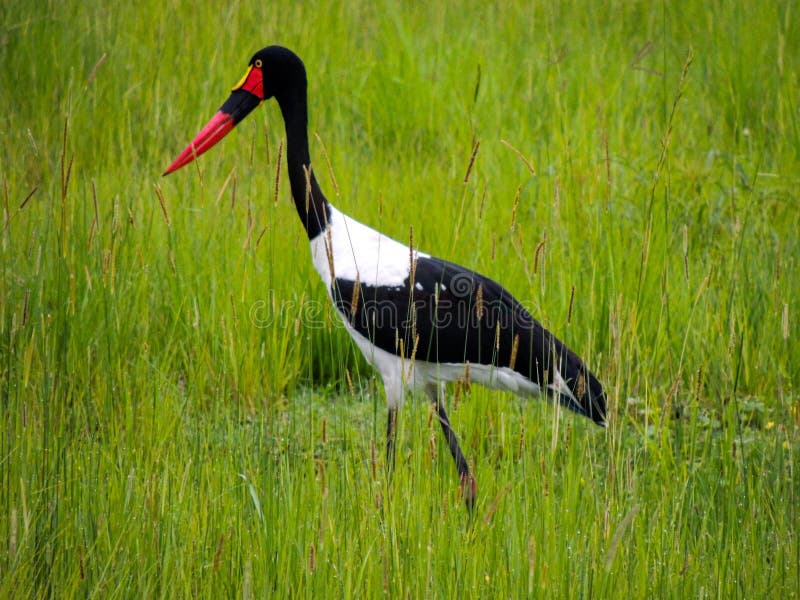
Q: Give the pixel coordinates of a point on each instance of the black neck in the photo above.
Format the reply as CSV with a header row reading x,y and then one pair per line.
x,y
312,206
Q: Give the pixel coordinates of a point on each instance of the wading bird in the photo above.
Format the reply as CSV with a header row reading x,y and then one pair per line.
x,y
420,321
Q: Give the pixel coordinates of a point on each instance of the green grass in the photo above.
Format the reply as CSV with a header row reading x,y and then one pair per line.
x,y
183,416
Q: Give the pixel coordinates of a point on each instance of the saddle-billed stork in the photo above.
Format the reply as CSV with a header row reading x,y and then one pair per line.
x,y
419,320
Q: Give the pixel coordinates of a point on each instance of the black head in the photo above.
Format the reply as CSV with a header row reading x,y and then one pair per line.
x,y
282,71
275,72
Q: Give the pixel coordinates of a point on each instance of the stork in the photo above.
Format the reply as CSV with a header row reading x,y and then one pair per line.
x,y
420,321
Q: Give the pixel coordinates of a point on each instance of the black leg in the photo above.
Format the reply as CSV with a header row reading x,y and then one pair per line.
x,y
465,476
391,434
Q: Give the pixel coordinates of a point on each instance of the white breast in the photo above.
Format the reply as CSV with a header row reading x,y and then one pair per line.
x,y
353,250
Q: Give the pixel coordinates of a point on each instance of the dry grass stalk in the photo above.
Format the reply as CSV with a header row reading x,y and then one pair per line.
x,y
233,190
580,388
163,204
328,163
278,174
329,251
312,560
668,135
537,253
412,357
514,349
261,235
521,156
514,207
25,307
612,548
354,299
487,518
218,553
472,157
571,301
224,186
95,220
93,72
699,385
66,169
401,352
28,197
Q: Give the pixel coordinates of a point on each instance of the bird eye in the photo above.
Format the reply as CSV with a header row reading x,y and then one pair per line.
x,y
258,63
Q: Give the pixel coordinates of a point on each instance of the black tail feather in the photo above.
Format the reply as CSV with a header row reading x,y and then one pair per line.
x,y
580,390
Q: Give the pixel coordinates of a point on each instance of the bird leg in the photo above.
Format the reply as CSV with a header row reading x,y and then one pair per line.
x,y
465,476
391,434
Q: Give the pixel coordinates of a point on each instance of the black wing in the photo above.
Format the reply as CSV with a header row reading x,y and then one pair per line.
x,y
451,314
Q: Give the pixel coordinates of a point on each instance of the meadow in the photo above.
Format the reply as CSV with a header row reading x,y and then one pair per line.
x,y
182,414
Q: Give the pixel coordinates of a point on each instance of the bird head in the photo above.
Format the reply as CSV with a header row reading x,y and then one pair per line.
x,y
272,72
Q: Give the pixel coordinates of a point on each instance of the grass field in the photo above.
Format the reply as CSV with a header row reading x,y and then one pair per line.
x,y
183,416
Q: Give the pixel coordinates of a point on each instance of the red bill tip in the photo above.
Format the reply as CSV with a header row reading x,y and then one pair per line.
x,y
217,128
